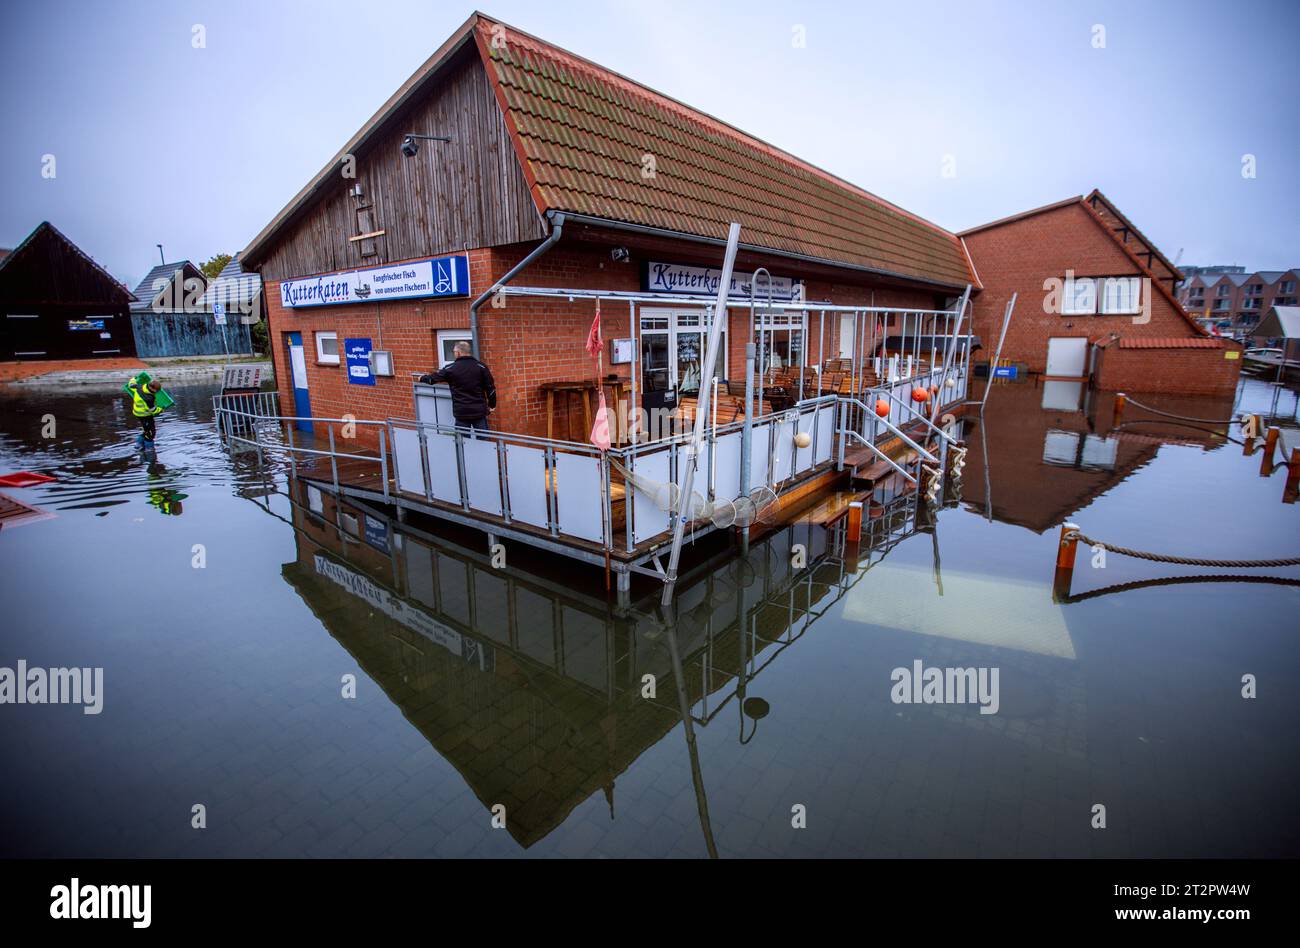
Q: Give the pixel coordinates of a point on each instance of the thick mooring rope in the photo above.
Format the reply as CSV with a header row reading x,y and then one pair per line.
x,y
1157,411
1181,560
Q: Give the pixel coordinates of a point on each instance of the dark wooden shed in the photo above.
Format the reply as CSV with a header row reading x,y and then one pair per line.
x,y
57,303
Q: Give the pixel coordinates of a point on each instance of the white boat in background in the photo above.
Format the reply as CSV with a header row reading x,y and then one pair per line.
x,y
1263,357
1270,362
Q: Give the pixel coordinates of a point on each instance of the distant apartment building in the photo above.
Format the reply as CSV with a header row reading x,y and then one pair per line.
x,y
1229,298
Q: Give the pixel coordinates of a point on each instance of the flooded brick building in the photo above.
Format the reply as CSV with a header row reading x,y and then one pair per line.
x,y
386,257
1095,299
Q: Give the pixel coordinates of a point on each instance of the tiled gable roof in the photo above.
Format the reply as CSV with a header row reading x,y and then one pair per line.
x,y
587,136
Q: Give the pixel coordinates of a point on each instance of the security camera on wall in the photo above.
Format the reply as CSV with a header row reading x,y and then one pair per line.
x,y
619,255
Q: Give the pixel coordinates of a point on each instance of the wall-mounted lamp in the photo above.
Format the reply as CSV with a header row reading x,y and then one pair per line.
x,y
411,146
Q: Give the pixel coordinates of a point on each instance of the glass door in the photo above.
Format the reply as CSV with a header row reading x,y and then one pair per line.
x,y
672,351
656,368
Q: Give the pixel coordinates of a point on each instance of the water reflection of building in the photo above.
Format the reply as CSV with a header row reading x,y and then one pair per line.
x,y
531,689
1082,450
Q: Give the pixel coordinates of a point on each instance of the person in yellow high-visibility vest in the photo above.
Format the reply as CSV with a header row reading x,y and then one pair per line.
x,y
144,408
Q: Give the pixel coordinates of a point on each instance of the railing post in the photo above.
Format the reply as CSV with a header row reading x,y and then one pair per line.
x,y
421,433
502,481
1065,553
293,463
841,432
552,495
383,459
630,458
334,461
460,471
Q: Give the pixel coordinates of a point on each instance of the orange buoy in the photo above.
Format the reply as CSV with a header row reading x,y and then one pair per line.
x,y
882,407
920,394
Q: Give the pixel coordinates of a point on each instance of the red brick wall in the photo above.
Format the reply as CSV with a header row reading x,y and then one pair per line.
x,y
1019,256
528,341
1173,371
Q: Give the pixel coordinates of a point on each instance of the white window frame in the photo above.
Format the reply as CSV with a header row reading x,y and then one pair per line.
x,y
321,355
1121,296
453,336
1070,299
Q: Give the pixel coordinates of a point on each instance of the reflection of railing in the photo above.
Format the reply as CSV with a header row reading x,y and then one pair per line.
x,y
794,601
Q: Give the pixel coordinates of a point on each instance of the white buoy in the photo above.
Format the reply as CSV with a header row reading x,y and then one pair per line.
x,y
802,440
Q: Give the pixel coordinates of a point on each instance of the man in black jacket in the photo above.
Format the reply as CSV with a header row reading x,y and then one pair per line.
x,y
473,391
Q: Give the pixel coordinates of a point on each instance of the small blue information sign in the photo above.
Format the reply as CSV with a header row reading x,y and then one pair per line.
x,y
357,354
1005,372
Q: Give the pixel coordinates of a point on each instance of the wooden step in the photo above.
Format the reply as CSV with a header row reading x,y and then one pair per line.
x,y
829,509
877,471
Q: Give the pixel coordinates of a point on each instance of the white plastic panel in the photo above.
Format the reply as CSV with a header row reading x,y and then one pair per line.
x,y
482,474
444,481
824,441
527,479
406,455
726,462
783,457
577,482
803,457
758,455
647,519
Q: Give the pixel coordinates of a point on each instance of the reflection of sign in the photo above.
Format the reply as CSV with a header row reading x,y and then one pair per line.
x,y
242,376
77,325
376,533
703,281
357,353
1005,372
395,608
437,276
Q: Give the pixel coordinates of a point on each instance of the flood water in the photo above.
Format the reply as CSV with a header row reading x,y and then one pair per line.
x,y
525,688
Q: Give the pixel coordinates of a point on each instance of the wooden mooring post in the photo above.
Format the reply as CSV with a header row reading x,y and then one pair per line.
x,y
1065,552
1120,401
1270,449
1292,489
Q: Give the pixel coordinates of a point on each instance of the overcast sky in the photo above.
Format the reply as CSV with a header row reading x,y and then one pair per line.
x,y
156,141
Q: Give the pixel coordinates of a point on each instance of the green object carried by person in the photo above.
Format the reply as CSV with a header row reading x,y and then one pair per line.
x,y
161,399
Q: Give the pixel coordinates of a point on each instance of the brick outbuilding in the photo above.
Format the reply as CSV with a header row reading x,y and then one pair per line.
x,y
1095,300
